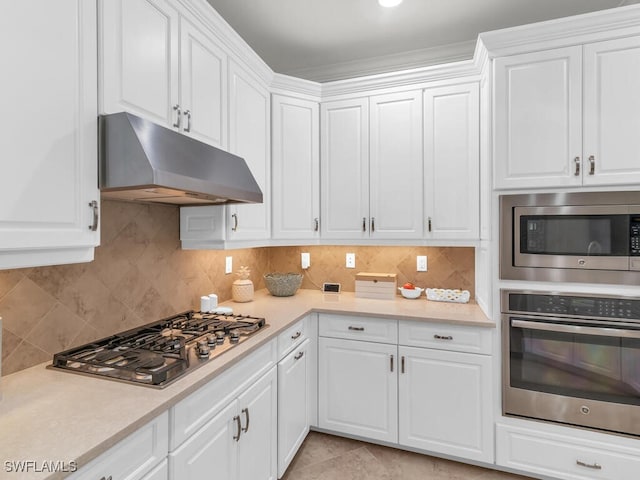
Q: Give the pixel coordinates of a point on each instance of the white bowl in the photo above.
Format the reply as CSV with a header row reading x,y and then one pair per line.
x,y
411,292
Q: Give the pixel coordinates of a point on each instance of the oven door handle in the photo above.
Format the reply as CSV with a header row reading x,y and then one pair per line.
x,y
579,329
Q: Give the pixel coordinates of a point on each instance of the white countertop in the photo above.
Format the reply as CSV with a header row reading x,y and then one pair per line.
x,y
49,415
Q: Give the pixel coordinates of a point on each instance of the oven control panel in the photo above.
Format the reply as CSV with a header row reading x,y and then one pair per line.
x,y
573,305
634,236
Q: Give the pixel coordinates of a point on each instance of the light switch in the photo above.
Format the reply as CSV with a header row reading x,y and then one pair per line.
x,y
228,265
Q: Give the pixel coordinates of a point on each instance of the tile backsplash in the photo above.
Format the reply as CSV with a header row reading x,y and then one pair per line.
x,y
140,274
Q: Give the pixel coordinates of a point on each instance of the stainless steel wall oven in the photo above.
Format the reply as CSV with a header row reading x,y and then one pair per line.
x,y
589,237
572,358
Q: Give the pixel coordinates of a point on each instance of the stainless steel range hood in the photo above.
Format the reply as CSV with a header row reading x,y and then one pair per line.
x,y
145,162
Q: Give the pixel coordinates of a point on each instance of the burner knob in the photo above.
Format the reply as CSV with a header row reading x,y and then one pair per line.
x,y
211,340
220,337
202,349
234,336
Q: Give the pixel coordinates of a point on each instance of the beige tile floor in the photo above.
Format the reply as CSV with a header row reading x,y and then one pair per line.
x,y
327,457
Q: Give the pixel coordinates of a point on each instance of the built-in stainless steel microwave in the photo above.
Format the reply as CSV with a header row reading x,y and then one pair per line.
x,y
574,237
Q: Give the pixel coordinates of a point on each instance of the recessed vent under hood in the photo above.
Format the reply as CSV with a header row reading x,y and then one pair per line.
x,y
145,162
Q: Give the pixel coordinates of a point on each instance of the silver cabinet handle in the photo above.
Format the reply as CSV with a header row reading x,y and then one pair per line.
x,y
594,466
317,224
443,337
246,416
429,223
93,204
296,335
176,108
298,356
235,222
357,329
576,162
391,362
592,165
402,364
187,113
236,437
364,224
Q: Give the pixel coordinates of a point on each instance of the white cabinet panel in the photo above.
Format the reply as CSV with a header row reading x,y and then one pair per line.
x,y
538,119
445,400
49,173
612,112
345,169
296,168
358,390
396,166
203,80
452,161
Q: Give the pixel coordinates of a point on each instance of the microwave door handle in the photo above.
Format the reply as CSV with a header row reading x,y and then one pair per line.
x,y
579,329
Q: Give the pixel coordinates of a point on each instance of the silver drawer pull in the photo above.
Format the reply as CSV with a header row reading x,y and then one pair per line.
x,y
296,335
594,466
299,356
356,329
442,337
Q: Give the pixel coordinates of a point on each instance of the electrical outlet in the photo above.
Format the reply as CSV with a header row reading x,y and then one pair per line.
x,y
421,263
228,265
351,260
306,260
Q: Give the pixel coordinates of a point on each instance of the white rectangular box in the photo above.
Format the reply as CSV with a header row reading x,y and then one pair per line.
x,y
376,285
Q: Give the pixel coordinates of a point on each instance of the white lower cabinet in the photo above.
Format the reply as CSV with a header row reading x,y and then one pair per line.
x,y
238,443
443,400
140,456
564,453
358,388
294,377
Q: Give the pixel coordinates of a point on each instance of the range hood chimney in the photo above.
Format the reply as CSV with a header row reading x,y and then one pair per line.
x,y
145,162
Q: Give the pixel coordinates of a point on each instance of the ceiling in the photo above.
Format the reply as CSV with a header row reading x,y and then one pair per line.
x,y
326,40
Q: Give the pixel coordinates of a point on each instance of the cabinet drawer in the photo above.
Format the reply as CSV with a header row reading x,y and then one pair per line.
x,y
194,411
134,456
292,336
564,457
380,330
457,338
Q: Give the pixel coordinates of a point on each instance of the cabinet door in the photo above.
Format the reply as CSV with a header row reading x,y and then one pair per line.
x,y
452,162
538,119
296,168
257,448
345,169
612,112
293,404
445,402
212,449
396,166
139,46
49,169
249,138
358,389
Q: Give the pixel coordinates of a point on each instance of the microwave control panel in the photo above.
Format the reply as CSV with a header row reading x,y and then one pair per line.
x,y
634,236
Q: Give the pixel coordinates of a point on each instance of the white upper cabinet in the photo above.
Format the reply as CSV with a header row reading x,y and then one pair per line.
x,y
395,167
158,65
568,116
452,162
345,169
250,138
538,111
49,170
612,112
203,78
296,168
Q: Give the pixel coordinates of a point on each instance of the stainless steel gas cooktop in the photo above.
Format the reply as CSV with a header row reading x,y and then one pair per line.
x,y
156,354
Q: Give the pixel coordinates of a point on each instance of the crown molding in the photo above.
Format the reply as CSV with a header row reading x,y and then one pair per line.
x,y
387,63
233,43
589,27
288,85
